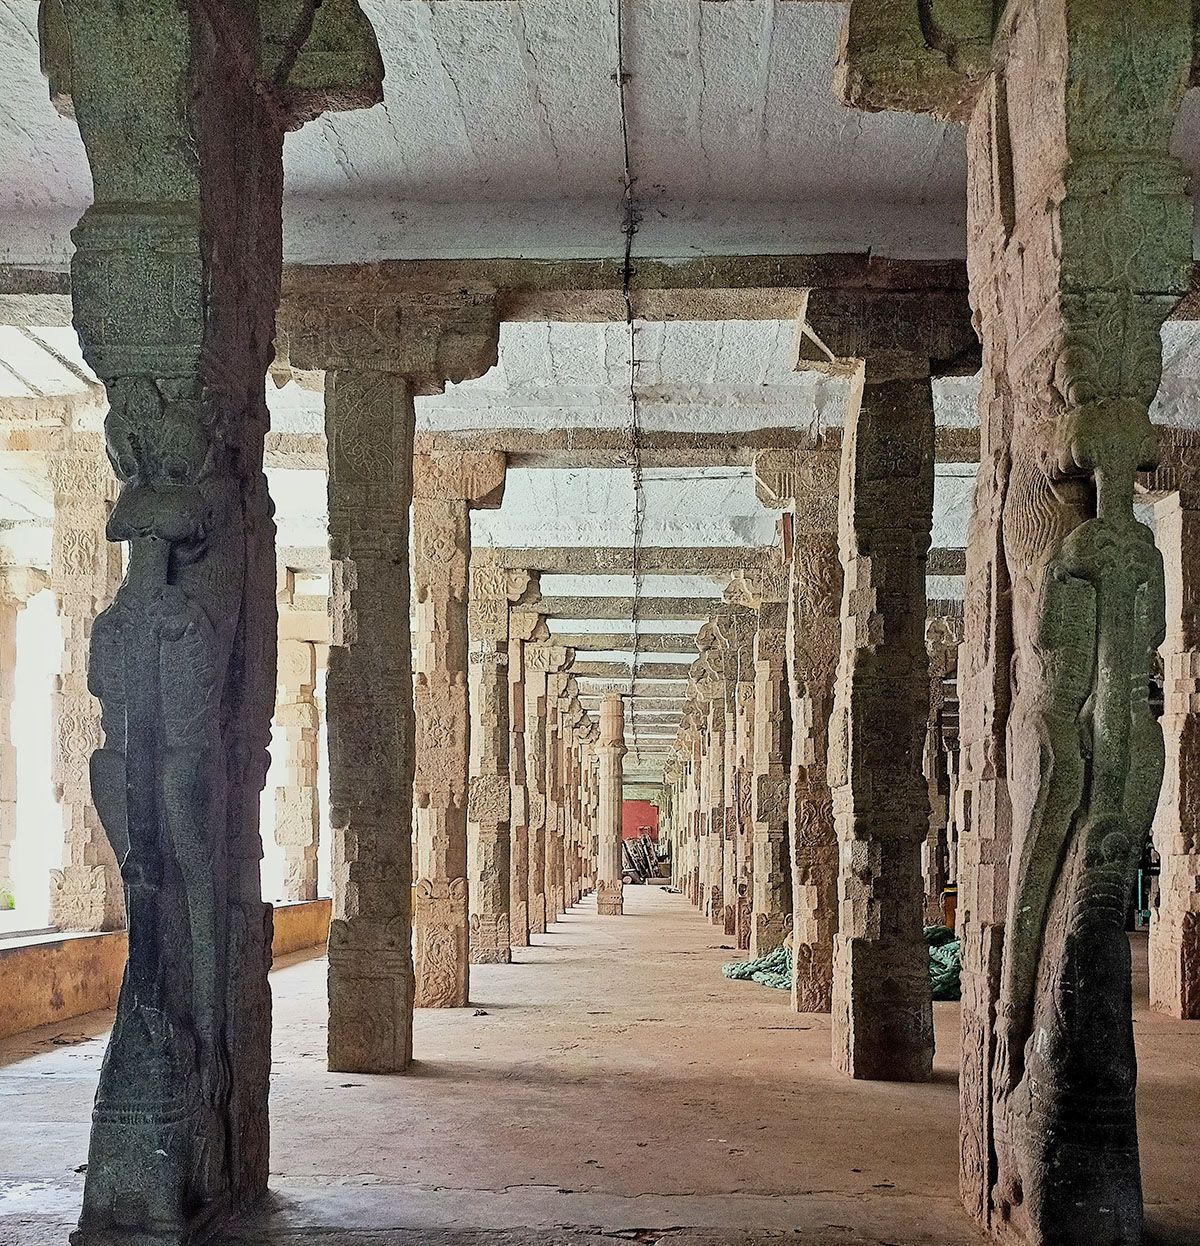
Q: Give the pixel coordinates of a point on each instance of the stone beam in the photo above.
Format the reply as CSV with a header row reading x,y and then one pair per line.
x,y
714,560
623,642
614,670
657,608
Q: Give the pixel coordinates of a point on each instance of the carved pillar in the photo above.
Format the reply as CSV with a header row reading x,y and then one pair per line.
x,y
376,361
1175,925
489,865
610,749
445,488
734,626
1065,598
591,774
805,484
85,569
771,902
943,634
523,626
882,1014
542,661
297,810
17,586
174,283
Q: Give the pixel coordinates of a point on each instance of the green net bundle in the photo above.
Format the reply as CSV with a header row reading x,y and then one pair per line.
x,y
775,969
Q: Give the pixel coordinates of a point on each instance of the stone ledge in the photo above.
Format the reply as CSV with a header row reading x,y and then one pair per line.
x,y
47,978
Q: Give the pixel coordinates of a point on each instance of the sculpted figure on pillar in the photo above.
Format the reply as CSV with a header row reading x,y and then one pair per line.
x,y
1065,589
175,280
804,483
446,486
378,354
493,589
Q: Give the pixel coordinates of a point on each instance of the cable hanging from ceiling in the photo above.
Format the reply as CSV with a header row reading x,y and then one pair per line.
x,y
629,227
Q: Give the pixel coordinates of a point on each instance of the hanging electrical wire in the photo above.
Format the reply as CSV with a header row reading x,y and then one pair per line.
x,y
629,227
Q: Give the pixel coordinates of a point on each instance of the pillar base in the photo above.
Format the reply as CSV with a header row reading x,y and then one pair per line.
x,y
490,940
440,925
882,1013
370,997
767,932
520,924
812,977
610,899
1175,967
537,915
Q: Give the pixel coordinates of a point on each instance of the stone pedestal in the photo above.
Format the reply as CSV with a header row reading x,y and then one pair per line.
x,y
1175,925
881,1009
297,808
446,487
85,570
492,590
17,585
611,750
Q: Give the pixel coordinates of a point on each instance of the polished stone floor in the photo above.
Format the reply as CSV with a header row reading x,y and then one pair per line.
x,y
609,1084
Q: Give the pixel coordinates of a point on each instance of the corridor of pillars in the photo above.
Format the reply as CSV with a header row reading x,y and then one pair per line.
x,y
588,676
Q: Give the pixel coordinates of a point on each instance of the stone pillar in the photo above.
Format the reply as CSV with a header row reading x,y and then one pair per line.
x,y
557,697
85,570
882,1013
371,379
1065,601
297,808
1175,925
771,901
542,661
735,625
610,749
805,484
523,626
489,864
174,283
591,775
445,488
17,586
943,634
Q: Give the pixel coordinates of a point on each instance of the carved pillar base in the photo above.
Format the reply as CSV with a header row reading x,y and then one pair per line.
x,y
440,931
370,997
610,899
767,933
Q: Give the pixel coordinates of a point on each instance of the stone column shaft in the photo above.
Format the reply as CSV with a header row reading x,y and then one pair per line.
x,y
17,585
611,750
369,691
771,907
297,807
85,570
1175,925
489,804
881,1008
446,487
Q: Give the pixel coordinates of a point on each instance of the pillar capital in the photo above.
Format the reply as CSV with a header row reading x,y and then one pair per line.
x,y
19,583
430,339
472,476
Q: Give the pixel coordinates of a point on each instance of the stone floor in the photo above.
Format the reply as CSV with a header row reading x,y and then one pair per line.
x,y
610,1084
